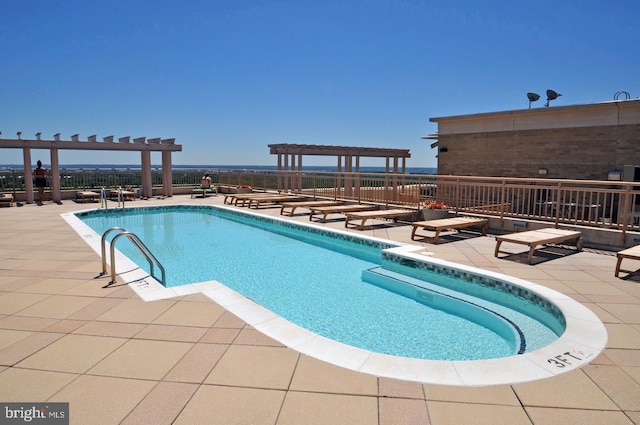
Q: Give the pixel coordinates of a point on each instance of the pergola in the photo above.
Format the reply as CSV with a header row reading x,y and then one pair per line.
x,y
140,144
290,159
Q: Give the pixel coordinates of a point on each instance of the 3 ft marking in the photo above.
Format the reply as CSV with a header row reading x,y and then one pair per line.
x,y
564,359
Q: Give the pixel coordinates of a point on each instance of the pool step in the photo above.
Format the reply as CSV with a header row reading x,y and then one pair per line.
x,y
445,300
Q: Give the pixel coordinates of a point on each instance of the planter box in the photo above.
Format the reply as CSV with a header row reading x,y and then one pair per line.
x,y
434,214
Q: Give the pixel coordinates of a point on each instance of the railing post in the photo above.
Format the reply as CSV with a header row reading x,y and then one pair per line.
x,y
457,195
557,204
502,200
626,212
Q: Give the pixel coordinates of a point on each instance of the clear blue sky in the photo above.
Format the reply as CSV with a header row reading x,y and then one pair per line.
x,y
227,78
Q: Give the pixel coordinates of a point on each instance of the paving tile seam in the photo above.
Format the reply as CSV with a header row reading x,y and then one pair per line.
x,y
477,403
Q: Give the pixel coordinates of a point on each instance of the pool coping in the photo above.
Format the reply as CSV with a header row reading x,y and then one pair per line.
x,y
584,338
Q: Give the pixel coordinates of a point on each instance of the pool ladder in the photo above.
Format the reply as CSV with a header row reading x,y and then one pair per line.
x,y
136,242
105,194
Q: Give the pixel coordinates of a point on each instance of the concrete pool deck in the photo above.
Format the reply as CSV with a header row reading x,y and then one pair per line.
x,y
187,360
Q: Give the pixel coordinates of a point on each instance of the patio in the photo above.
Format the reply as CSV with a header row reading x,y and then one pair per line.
x,y
119,360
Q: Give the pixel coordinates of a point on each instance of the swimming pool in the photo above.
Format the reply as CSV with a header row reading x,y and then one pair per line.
x,y
396,260
321,282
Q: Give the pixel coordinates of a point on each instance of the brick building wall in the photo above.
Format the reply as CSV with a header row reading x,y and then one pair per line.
x,y
570,153
576,142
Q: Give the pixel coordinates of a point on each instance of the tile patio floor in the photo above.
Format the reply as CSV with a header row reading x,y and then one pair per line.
x,y
119,360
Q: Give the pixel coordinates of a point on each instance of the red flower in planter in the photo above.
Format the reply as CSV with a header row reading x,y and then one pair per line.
x,y
432,205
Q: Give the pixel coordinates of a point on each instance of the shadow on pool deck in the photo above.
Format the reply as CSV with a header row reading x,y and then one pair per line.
x,y
117,359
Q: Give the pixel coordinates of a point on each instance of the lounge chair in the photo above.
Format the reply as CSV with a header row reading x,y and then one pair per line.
x,y
246,199
230,198
240,199
87,196
6,200
456,223
305,204
326,210
203,192
632,253
363,216
274,199
534,238
127,195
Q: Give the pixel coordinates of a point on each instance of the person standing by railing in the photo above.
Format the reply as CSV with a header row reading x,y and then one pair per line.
x,y
40,176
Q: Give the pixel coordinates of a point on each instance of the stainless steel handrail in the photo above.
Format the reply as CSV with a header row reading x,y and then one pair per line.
x,y
138,244
103,198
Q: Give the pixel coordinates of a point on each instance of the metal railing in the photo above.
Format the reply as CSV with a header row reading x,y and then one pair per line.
x,y
12,180
138,244
604,204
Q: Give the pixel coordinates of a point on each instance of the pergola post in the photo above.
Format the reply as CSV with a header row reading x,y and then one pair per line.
x,y
280,174
299,176
28,176
348,168
395,177
386,178
167,183
339,176
55,176
357,182
287,177
292,173
147,185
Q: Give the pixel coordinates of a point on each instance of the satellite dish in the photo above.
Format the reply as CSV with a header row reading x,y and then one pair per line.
x,y
532,98
551,95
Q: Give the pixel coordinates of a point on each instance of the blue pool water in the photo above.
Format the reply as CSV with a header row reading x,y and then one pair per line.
x,y
316,281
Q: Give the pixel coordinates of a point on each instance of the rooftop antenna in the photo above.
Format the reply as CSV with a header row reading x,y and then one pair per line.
x,y
532,98
551,95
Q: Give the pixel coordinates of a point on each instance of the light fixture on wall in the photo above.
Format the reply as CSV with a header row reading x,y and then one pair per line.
x,y
533,97
551,95
443,149
543,171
